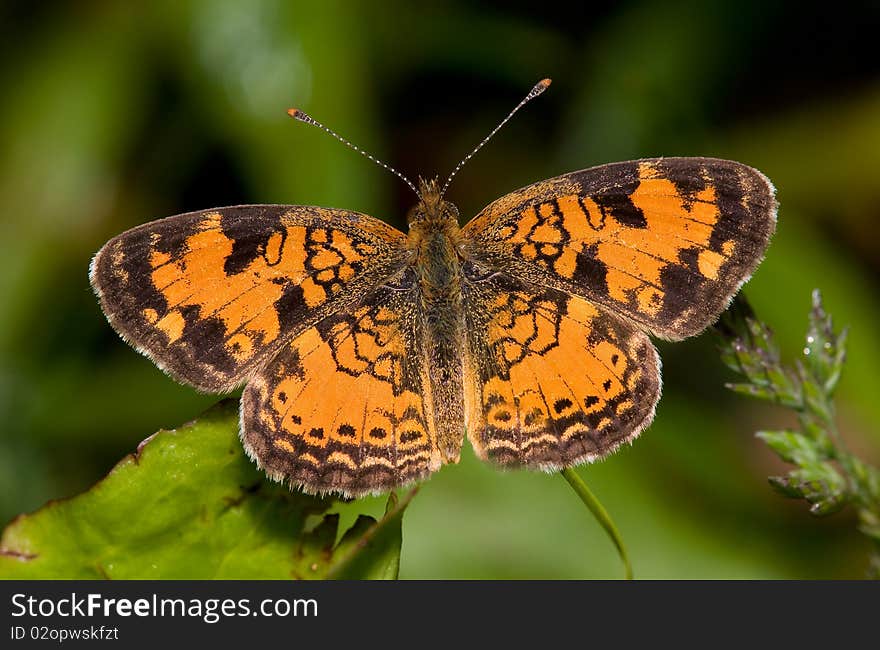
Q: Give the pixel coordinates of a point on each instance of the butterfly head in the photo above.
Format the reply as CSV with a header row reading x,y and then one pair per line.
x,y
431,208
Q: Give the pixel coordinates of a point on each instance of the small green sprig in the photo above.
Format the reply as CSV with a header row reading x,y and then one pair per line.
x,y
827,475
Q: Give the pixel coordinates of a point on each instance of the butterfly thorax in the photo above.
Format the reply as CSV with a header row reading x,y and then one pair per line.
x,y
434,240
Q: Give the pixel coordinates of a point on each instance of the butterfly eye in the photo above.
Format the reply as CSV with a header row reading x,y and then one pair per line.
x,y
450,210
416,213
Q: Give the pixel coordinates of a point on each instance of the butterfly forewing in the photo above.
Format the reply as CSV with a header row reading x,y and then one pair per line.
x,y
210,296
665,242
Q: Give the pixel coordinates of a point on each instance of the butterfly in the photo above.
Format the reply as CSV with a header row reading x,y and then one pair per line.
x,y
367,354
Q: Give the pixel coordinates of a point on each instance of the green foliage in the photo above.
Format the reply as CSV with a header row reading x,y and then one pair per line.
x,y
188,504
370,548
827,475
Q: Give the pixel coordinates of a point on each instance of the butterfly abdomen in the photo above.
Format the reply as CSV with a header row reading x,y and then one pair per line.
x,y
435,242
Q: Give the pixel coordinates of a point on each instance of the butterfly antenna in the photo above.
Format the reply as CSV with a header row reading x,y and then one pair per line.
x,y
539,87
302,116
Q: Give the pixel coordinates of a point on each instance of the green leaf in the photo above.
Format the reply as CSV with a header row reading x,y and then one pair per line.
x,y
792,447
822,485
188,504
747,347
784,386
816,401
828,505
752,390
837,362
752,362
371,549
825,350
786,487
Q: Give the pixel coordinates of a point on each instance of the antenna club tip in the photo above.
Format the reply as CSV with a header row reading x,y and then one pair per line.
x,y
540,87
295,113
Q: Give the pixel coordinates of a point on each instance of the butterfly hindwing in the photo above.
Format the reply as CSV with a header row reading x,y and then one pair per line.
x,y
552,380
345,406
665,242
209,296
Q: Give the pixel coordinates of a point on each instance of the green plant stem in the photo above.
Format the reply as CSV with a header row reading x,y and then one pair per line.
x,y
601,515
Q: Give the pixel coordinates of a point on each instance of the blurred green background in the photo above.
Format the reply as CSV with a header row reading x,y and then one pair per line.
x,y
114,114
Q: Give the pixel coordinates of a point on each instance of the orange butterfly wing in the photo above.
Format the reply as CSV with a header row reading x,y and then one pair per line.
x,y
551,379
210,296
665,242
565,277
346,406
